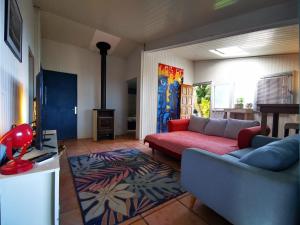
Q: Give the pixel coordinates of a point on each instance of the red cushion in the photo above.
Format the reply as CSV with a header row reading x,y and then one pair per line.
x,y
178,125
245,136
177,141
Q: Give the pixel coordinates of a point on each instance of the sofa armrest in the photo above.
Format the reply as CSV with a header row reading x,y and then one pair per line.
x,y
245,136
178,125
219,181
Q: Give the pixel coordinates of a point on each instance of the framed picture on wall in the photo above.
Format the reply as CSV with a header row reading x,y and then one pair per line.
x,y
13,28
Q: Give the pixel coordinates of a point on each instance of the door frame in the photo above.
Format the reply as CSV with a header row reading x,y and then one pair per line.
x,y
136,104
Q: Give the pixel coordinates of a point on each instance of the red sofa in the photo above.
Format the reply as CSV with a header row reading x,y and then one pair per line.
x,y
179,138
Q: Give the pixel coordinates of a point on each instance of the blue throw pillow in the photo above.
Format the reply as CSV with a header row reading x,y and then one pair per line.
x,y
276,156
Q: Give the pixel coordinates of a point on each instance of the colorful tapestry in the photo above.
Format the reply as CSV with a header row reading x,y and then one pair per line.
x,y
115,186
168,107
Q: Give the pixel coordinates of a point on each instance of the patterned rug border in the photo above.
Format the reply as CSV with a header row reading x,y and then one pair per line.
x,y
117,150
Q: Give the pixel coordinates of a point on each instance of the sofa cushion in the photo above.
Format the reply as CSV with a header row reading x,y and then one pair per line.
x,y
180,140
178,125
234,126
276,156
215,127
294,137
197,124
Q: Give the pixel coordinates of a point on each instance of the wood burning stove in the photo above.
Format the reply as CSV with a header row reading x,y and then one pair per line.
x,y
103,119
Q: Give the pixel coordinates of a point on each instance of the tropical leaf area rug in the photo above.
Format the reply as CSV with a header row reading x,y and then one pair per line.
x,y
115,186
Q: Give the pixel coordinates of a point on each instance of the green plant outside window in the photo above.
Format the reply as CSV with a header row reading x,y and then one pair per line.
x,y
202,103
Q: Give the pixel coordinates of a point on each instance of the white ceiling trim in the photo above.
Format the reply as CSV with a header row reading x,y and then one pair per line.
x,y
282,40
265,18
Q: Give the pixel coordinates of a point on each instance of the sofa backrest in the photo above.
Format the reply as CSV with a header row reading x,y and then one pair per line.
x,y
215,127
228,128
234,126
197,124
276,156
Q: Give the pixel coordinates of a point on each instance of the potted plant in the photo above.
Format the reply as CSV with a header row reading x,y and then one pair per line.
x,y
239,103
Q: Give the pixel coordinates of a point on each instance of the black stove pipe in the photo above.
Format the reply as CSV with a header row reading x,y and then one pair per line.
x,y
103,47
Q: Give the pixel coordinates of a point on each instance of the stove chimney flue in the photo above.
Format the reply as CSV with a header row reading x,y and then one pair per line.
x,y
103,47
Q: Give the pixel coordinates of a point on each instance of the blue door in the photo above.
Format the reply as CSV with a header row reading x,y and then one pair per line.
x,y
60,104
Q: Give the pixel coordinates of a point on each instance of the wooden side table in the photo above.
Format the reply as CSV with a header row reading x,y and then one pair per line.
x,y
275,109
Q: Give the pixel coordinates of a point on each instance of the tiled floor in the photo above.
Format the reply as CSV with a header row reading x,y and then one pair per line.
x,y
161,215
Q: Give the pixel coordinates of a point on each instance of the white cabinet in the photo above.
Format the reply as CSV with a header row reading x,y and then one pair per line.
x,y
32,198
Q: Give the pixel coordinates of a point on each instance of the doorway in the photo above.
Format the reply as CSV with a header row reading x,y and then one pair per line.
x,y
31,85
60,104
202,99
131,112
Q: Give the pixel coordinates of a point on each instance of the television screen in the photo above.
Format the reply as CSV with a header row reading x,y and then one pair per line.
x,y
39,110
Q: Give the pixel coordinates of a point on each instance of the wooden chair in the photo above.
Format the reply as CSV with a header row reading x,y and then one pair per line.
x,y
289,126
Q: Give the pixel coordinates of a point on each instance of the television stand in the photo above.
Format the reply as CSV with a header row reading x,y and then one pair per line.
x,y
49,146
46,140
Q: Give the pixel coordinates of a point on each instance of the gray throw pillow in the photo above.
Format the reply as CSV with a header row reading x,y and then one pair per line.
x,y
215,127
197,124
234,126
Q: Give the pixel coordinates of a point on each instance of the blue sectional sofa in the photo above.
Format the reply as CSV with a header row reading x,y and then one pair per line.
x,y
241,193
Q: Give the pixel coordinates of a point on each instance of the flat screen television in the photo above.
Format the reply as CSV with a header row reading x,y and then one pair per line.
x,y
40,138
39,110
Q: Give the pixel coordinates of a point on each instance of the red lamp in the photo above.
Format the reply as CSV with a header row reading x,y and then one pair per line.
x,y
20,137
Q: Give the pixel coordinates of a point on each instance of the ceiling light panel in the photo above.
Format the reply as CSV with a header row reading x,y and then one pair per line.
x,y
229,51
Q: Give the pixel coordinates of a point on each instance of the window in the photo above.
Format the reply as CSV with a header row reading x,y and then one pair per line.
x,y
275,89
222,97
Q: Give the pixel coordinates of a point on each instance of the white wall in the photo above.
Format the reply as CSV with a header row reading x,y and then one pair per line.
x,y
134,64
116,90
244,73
14,76
86,64
149,85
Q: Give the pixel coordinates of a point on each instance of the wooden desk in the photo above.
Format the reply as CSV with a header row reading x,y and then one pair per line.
x,y
241,114
276,109
32,197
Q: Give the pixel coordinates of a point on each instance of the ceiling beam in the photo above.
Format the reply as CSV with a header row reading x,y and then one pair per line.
x,y
265,18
